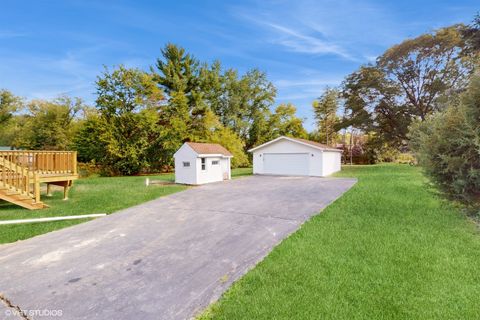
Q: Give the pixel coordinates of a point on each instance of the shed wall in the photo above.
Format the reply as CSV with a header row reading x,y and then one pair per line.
x,y
185,175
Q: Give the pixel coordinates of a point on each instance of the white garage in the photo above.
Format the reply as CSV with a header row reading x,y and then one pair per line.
x,y
295,157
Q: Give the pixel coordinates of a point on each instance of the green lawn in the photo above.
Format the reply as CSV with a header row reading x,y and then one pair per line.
x,y
388,249
240,172
89,195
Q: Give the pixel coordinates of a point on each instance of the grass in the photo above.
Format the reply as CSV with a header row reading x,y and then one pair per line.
x,y
390,248
89,195
240,172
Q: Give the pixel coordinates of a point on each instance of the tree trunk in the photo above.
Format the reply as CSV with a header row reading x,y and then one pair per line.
x,y
351,147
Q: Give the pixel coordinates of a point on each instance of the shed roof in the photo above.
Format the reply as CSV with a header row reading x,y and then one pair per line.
x,y
209,148
314,144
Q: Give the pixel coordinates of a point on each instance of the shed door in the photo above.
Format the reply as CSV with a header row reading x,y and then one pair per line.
x,y
292,164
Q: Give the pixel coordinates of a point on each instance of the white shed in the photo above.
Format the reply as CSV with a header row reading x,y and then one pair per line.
x,y
295,157
199,163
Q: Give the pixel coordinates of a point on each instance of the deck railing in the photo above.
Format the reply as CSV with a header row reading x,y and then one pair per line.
x,y
21,171
43,162
15,177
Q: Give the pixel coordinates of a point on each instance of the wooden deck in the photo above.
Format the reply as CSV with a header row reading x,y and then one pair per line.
x,y
22,172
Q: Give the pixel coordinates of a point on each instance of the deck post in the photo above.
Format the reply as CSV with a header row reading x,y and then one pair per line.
x,y
49,190
37,187
74,163
66,188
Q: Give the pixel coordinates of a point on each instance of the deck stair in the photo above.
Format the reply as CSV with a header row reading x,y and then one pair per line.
x,y
22,172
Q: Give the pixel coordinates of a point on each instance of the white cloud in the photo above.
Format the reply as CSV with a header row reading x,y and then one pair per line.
x,y
304,43
349,29
286,83
70,73
7,34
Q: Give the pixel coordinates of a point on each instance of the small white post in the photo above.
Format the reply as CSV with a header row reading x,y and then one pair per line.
x,y
147,182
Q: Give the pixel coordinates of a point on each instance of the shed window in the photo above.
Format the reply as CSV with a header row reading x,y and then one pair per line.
x,y
204,166
215,163
186,164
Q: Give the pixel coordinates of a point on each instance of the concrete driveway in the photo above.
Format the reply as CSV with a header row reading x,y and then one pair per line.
x,y
164,259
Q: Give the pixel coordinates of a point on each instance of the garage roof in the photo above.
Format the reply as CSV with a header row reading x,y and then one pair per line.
x,y
313,144
209,148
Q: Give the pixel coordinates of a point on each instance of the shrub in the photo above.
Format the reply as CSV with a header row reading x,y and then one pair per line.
x,y
447,146
88,169
405,158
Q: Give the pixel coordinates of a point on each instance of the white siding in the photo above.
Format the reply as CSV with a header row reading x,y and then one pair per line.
x,y
185,175
226,168
194,174
212,173
320,163
331,162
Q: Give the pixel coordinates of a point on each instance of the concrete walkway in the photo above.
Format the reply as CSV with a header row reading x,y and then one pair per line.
x,y
164,259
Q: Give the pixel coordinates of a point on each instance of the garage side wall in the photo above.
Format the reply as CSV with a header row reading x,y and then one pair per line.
x,y
332,162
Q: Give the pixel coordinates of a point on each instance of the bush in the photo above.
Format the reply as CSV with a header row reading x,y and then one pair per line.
x,y
405,158
447,146
88,169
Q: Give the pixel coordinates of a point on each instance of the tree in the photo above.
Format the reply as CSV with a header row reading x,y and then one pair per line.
x,y
241,104
48,125
176,70
258,94
447,146
471,36
284,122
128,100
87,139
410,81
325,111
232,142
186,116
8,105
426,67
173,126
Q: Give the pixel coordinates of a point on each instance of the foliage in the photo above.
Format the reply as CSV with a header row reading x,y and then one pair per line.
x,y
370,100
325,109
426,67
284,122
410,81
205,101
447,146
127,102
8,105
471,35
48,125
260,97
232,142
406,158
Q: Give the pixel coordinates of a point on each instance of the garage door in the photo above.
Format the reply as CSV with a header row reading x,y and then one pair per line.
x,y
294,164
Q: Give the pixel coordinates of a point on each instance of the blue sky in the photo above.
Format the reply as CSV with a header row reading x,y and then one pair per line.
x,y
48,47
